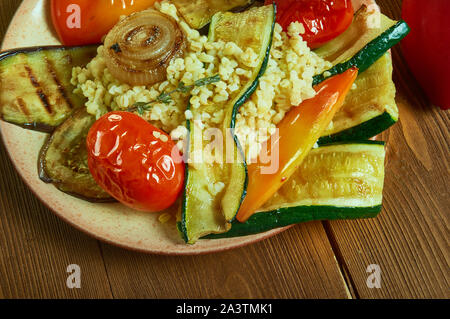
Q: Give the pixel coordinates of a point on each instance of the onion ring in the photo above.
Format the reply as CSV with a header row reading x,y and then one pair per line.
x,y
140,47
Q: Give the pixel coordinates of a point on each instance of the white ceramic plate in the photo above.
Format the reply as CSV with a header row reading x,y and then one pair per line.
x,y
112,223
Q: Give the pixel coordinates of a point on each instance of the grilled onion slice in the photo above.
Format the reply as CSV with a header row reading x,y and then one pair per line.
x,y
140,47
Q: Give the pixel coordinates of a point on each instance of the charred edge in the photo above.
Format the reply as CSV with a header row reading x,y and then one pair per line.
x,y
33,126
60,87
7,54
38,127
42,162
39,90
243,7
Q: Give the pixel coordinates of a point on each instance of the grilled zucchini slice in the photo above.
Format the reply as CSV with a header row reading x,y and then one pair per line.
x,y
338,181
390,33
63,159
365,27
204,212
198,13
35,88
369,109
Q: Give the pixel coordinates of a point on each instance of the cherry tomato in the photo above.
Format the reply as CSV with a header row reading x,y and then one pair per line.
x,y
79,22
323,20
135,162
427,47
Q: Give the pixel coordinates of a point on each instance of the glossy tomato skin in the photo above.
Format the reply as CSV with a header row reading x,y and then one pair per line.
x,y
323,20
427,47
129,159
80,22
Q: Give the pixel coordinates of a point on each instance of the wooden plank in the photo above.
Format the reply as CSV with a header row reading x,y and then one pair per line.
x,y
35,246
409,241
7,10
299,263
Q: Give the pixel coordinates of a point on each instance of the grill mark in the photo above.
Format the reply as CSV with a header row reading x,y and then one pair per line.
x,y
23,107
60,87
40,93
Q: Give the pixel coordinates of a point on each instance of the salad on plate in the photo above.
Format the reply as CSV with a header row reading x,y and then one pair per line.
x,y
226,118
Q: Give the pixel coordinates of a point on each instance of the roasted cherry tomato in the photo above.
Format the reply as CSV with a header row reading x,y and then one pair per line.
x,y
135,162
323,20
79,22
427,47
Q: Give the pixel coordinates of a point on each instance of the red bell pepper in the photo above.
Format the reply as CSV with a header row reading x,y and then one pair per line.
x,y
427,47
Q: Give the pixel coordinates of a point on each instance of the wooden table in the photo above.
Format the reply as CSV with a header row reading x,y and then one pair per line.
x,y
409,240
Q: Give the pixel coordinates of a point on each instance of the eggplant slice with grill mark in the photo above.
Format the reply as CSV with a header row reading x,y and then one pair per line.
x,y
35,88
63,159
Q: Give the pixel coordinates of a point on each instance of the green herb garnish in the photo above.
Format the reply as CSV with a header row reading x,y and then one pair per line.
x,y
166,97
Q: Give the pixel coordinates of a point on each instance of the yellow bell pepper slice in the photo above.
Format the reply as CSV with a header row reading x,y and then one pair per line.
x,y
297,134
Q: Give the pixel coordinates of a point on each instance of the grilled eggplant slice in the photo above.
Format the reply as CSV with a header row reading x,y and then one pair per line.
x,y
198,13
63,159
35,88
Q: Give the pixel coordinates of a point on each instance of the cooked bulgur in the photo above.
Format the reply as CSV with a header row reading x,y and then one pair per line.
x,y
286,83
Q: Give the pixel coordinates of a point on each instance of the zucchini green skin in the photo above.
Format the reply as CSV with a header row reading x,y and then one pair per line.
x,y
182,226
241,102
370,53
350,142
262,222
363,131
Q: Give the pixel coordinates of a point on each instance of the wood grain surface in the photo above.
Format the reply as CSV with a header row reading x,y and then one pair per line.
x,y
409,240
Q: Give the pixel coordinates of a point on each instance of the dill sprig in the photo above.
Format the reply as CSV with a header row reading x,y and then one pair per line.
x,y
166,97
